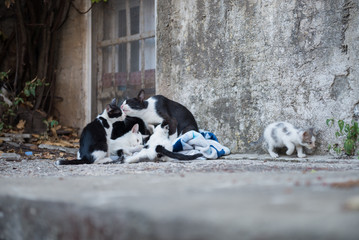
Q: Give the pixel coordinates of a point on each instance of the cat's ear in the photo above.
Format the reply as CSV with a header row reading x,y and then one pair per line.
x,y
111,106
141,95
113,102
135,128
313,131
108,108
306,135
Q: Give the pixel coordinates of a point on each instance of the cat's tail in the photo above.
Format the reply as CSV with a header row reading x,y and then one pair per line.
x,y
85,160
73,162
161,150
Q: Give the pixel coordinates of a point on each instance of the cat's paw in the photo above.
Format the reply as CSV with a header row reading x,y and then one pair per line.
x,y
289,152
274,155
138,148
130,160
301,155
103,161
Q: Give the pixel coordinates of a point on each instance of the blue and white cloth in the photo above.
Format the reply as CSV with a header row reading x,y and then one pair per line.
x,y
204,142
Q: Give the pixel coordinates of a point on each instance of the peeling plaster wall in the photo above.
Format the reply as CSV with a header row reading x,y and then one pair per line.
x,y
71,106
240,65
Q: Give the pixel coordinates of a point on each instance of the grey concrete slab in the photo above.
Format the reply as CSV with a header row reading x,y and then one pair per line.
x,y
246,198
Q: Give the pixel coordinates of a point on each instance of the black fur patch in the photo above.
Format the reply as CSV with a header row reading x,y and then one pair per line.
x,y
285,131
120,153
115,113
120,128
274,135
104,122
136,104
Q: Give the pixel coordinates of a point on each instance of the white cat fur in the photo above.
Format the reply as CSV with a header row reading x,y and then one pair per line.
x,y
148,115
129,143
283,134
159,137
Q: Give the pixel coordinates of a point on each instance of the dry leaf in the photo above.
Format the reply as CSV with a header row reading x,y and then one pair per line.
x,y
48,155
60,143
14,131
35,135
27,103
66,143
41,112
21,124
33,147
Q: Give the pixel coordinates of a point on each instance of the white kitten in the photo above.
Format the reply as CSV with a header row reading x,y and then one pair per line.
x,y
129,143
283,134
159,137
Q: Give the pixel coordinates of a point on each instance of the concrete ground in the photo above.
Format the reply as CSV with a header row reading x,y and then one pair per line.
x,y
240,197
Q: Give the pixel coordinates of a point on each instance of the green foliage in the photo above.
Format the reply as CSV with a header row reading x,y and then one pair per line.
x,y
27,96
350,134
51,123
30,87
4,76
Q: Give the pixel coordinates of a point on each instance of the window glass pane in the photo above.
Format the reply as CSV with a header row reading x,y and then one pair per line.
x,y
114,12
107,24
106,59
150,55
122,23
135,20
149,15
121,52
135,56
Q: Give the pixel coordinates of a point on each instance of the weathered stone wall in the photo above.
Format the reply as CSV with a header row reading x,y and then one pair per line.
x,y
72,82
240,65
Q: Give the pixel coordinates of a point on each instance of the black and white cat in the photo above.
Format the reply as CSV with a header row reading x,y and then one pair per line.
x,y
283,134
159,147
158,109
95,137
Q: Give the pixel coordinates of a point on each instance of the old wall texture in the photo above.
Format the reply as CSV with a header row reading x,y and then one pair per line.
x,y
240,65
72,81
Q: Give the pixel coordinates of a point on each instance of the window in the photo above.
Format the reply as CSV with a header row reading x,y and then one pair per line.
x,y
125,50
